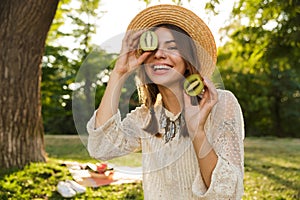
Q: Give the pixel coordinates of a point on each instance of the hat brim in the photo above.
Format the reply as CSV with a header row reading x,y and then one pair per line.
x,y
186,20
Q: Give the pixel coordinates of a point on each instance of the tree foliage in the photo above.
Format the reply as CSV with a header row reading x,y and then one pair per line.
x,y
62,62
260,63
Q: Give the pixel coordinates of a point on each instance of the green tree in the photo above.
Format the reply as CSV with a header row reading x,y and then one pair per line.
x,y
61,63
56,94
260,64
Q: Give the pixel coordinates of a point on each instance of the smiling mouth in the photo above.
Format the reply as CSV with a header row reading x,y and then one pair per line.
x,y
161,67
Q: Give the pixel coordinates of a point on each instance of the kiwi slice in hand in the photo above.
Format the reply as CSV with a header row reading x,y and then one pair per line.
x,y
193,85
148,41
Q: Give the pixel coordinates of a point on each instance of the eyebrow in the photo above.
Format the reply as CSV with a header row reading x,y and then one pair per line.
x,y
170,41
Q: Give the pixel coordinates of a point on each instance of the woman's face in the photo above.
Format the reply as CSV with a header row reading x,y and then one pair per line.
x,y
165,66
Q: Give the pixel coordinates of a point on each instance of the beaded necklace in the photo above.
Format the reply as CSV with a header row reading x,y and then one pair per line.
x,y
170,127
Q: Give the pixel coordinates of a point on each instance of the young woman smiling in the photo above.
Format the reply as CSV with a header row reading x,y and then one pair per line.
x,y
189,151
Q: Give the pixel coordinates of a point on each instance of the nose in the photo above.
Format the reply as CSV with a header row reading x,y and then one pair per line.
x,y
160,53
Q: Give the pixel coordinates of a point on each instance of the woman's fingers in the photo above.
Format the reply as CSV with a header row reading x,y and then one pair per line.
x,y
196,116
143,57
191,113
188,107
128,61
135,39
210,95
131,40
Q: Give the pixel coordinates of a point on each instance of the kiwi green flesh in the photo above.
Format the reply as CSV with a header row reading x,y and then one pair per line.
x,y
193,85
148,41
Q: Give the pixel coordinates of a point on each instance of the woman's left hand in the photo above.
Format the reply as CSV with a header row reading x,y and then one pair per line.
x,y
196,116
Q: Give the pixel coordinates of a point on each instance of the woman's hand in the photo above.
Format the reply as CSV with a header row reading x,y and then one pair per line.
x,y
196,116
128,61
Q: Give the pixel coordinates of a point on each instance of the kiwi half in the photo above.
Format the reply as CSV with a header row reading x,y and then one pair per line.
x,y
148,41
193,85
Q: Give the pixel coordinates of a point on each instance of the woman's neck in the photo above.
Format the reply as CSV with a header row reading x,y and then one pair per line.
x,y
172,99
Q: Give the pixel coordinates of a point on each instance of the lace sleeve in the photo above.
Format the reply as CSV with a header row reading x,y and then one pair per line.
x,y
116,138
225,132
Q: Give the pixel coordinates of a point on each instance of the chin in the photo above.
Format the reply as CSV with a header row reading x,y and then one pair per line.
x,y
169,82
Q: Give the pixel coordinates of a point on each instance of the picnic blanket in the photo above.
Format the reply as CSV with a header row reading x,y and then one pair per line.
x,y
86,174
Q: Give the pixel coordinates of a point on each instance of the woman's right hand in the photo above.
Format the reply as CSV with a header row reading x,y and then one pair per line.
x,y
128,61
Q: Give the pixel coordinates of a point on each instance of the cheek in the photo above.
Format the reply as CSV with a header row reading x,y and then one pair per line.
x,y
148,71
181,68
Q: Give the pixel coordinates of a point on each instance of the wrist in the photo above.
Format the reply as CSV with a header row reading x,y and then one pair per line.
x,y
116,81
201,144
117,73
200,135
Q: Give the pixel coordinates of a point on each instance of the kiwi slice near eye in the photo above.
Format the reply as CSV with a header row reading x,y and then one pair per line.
x,y
193,85
148,41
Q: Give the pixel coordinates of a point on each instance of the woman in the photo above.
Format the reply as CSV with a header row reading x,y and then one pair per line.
x,y
189,151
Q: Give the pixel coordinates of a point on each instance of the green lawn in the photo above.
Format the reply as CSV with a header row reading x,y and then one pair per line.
x,y
271,172
272,168
72,148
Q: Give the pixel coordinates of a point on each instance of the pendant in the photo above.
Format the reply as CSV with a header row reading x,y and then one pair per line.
x,y
171,133
170,127
163,121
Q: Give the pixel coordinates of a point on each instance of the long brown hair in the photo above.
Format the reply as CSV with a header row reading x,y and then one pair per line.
x,y
148,91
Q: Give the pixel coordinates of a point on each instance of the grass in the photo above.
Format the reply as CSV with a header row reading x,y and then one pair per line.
x,y
272,168
72,148
271,172
39,180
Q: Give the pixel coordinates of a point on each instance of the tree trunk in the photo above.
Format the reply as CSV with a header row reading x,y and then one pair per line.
x,y
23,30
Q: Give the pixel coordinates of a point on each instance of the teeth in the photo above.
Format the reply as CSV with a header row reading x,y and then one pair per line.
x,y
158,67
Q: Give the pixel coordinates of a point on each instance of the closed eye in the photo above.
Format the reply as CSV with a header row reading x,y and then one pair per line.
x,y
172,48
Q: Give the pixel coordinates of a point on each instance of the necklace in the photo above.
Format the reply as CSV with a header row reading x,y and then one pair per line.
x,y
170,127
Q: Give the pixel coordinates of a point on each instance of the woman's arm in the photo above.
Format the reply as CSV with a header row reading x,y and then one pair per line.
x,y
220,151
126,63
109,136
110,100
206,156
196,117
117,137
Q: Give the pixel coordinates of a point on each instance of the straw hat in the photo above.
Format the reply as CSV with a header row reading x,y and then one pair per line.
x,y
186,20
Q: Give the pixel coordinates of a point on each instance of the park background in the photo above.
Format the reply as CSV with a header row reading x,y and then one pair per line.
x,y
259,63
45,44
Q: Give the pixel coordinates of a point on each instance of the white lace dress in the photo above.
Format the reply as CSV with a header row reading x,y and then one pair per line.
x,y
171,170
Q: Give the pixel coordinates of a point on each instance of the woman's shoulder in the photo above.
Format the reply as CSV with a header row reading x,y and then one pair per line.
x,y
140,110
227,102
225,92
140,116
226,95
